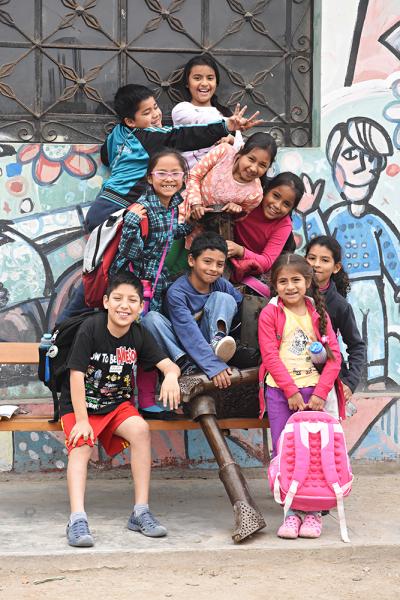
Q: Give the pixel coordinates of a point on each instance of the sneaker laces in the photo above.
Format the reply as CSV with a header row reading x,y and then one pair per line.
x,y
79,528
148,520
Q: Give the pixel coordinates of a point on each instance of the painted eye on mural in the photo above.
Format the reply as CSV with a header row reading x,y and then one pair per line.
x,y
350,154
26,206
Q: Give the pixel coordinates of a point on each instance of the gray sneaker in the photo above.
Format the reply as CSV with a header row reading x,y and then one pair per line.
x,y
223,347
78,534
147,524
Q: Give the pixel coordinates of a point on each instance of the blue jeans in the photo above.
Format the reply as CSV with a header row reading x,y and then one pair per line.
x,y
219,307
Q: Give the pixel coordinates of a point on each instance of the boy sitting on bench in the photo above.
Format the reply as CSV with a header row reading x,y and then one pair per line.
x,y
198,311
95,401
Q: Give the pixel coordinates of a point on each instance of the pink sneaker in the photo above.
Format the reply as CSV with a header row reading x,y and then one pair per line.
x,y
290,528
311,526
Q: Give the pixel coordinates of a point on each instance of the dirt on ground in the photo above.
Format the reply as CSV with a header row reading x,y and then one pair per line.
x,y
267,576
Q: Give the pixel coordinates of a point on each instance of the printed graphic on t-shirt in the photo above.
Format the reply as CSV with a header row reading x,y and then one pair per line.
x,y
108,378
299,342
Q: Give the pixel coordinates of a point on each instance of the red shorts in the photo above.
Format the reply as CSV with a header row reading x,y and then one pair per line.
x,y
103,428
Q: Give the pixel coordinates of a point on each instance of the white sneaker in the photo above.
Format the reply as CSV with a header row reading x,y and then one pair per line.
x,y
224,347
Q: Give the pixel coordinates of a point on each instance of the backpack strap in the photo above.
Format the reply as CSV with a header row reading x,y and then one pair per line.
x,y
144,223
164,254
302,462
56,405
258,286
332,478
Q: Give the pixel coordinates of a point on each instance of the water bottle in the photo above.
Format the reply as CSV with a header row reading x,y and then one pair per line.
x,y
318,355
44,347
351,409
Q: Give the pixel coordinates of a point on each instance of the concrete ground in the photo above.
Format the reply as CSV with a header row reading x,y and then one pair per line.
x,y
198,548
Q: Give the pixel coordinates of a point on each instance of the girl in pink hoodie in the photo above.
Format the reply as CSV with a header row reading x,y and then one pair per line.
x,y
287,326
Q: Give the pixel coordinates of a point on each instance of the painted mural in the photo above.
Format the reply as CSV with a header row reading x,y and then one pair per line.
x,y
352,181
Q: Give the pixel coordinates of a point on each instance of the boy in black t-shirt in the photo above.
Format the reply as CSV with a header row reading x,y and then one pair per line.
x,y
95,401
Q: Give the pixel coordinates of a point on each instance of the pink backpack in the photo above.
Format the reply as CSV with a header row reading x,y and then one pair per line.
x,y
311,471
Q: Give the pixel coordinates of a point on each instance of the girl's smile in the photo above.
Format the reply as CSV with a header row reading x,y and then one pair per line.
x,y
278,202
202,84
248,167
166,178
292,287
323,264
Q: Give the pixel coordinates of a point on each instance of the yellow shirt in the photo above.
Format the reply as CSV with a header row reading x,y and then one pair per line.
x,y
298,333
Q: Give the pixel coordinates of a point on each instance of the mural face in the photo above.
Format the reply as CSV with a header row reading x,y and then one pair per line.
x,y
351,183
356,151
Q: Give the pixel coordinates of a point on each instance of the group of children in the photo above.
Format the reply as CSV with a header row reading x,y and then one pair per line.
x,y
189,323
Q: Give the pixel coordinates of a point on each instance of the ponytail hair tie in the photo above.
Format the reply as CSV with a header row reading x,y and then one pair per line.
x,y
325,339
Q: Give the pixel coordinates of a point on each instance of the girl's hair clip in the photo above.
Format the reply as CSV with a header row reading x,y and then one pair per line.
x,y
325,339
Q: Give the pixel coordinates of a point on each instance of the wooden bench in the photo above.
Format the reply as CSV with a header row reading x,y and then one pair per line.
x,y
12,353
198,391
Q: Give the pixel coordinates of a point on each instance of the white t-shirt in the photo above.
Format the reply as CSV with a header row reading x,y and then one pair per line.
x,y
186,113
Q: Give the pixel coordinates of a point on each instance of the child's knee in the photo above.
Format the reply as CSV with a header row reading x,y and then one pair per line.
x,y
153,320
80,454
225,299
139,431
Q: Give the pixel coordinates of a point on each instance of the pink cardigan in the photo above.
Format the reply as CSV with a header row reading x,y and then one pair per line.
x,y
270,329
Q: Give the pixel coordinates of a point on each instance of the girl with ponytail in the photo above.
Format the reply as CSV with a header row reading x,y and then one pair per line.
x,y
286,328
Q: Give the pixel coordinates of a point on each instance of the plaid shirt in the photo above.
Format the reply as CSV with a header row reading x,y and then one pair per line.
x,y
145,255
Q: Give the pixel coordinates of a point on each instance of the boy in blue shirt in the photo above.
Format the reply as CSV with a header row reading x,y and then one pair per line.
x,y
137,137
198,312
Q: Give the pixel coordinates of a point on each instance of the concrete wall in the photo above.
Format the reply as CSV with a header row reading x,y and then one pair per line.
x,y
45,190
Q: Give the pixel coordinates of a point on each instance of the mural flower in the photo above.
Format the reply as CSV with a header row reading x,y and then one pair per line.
x,y
50,160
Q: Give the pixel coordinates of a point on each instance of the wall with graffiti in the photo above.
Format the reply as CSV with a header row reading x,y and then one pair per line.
x,y
351,182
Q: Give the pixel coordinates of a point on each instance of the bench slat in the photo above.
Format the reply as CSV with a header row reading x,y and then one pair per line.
x,y
14,353
41,423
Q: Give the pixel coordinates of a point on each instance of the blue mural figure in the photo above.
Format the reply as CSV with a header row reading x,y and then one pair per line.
x,y
357,152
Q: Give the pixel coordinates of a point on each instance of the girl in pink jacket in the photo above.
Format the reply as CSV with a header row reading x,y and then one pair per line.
x,y
287,326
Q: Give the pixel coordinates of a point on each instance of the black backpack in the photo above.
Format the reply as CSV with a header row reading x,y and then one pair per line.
x,y
57,357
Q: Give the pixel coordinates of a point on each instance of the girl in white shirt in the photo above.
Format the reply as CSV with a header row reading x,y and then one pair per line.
x,y
201,79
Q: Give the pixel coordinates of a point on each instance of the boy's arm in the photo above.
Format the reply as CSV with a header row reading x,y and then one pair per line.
x,y
194,137
184,138
82,427
170,391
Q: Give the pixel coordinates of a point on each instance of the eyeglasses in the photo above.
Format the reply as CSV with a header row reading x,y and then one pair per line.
x,y
167,174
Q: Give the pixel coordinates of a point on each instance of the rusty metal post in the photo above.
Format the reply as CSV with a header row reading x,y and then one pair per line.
x,y
248,518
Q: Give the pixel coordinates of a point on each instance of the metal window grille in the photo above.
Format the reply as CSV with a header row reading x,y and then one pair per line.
x,y
61,61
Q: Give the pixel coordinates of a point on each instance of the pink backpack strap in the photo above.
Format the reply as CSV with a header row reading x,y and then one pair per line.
x,y
257,285
332,478
164,254
302,462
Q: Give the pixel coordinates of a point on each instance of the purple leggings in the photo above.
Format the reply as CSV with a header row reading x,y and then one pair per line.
x,y
278,411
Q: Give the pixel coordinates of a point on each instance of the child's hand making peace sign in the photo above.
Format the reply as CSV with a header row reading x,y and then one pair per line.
x,y
239,122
